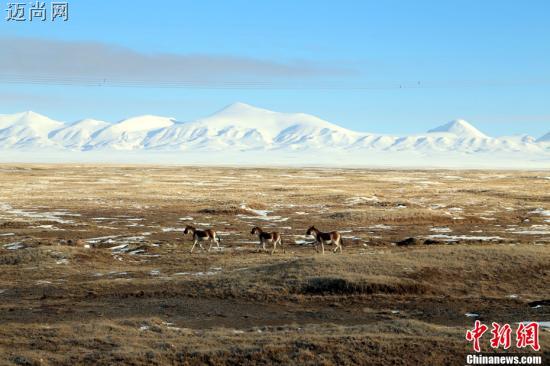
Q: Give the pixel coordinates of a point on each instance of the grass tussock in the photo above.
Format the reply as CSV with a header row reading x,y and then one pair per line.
x,y
20,257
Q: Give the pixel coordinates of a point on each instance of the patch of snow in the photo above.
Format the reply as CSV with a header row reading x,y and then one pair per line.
x,y
462,237
358,200
531,232
14,246
120,248
49,227
380,227
100,238
540,211
263,213
34,215
441,229
169,229
198,274
264,218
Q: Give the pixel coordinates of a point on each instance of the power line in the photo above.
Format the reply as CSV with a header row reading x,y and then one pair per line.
x,y
82,81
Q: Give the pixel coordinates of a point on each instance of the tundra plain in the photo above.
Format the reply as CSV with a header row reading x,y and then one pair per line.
x,y
95,269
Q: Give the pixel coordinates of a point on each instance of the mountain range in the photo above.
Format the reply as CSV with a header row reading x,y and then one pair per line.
x,y
244,128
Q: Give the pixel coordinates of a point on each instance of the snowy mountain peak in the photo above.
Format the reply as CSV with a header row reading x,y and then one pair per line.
x,y
29,119
240,107
545,138
461,128
33,117
268,123
143,123
242,111
128,134
27,115
30,115
26,130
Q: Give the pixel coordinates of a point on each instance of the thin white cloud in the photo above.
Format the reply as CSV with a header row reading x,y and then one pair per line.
x,y
42,60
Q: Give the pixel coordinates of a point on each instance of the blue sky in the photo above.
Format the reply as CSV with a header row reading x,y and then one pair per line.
x,y
380,66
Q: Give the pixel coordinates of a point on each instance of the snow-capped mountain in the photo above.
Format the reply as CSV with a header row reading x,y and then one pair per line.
x,y
459,128
241,128
128,134
545,138
27,129
76,135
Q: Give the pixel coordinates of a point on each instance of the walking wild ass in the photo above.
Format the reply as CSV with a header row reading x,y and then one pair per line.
x,y
202,235
265,237
333,237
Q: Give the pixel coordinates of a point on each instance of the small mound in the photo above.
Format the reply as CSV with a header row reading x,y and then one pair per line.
x,y
341,286
341,216
432,242
224,210
407,242
19,257
13,225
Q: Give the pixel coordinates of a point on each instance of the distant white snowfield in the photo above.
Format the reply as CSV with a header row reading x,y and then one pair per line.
x,y
241,134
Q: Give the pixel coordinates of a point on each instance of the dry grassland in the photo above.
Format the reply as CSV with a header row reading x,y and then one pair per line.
x,y
94,267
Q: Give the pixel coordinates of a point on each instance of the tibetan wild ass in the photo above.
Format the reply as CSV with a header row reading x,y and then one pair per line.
x,y
333,237
202,235
265,237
